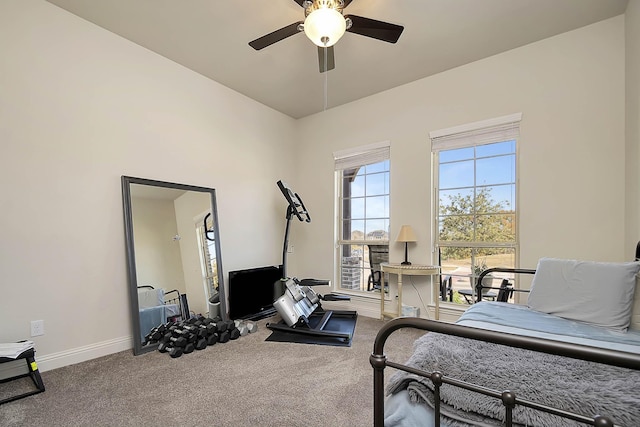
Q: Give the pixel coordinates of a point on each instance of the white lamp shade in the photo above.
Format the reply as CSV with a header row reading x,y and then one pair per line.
x,y
325,26
406,234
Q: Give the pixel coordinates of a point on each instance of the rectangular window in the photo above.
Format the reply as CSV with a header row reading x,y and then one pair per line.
x,y
476,193
363,217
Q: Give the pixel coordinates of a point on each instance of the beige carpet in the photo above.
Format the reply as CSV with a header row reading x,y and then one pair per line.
x,y
247,382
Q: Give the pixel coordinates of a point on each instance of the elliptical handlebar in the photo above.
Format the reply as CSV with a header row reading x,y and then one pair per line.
x,y
313,282
296,206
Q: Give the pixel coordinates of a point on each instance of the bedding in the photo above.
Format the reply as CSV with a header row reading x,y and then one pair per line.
x,y
501,367
496,316
153,309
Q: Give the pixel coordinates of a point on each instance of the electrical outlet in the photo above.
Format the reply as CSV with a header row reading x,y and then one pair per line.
x,y
37,328
290,249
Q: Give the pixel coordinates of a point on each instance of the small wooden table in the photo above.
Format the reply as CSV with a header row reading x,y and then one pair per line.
x,y
408,270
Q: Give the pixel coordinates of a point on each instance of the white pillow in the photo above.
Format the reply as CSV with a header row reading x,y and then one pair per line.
x,y
150,297
598,293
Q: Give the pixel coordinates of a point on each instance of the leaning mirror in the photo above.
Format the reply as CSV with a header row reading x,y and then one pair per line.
x,y
173,255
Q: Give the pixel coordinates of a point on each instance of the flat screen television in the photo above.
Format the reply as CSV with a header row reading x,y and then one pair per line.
x,y
253,291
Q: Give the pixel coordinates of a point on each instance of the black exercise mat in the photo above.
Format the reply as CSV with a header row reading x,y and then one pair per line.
x,y
345,323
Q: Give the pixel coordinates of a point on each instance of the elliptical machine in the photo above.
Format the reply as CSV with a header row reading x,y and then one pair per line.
x,y
300,306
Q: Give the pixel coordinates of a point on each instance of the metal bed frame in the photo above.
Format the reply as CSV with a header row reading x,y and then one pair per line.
x,y
509,399
180,300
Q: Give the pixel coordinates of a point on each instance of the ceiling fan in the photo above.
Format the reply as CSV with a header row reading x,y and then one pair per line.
x,y
325,23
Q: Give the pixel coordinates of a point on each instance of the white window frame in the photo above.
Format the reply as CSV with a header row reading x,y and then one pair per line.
x,y
345,160
475,134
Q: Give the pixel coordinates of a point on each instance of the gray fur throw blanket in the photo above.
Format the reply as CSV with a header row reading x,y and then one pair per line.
x,y
583,387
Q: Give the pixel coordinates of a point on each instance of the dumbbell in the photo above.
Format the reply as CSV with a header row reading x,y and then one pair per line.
x,y
213,338
246,327
220,325
239,324
189,348
201,343
190,321
223,336
175,352
178,333
231,329
196,320
189,335
252,327
176,341
206,331
200,330
181,338
172,350
201,320
154,334
234,333
193,329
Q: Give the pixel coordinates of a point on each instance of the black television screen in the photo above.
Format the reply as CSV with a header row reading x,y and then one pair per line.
x,y
253,291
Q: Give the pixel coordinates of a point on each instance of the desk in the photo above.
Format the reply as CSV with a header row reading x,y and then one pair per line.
x,y
407,270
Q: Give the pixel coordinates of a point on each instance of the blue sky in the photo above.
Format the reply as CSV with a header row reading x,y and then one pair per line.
x,y
375,179
495,168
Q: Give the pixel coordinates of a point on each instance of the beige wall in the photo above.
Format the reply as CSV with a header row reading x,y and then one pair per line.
x,y
79,108
632,164
158,258
570,89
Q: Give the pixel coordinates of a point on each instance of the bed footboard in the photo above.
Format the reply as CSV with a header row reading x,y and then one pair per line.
x,y
509,400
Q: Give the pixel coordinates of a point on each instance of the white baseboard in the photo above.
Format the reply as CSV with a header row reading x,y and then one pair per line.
x,y
51,361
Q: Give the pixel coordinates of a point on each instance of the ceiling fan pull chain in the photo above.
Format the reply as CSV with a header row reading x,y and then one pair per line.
x,y
326,79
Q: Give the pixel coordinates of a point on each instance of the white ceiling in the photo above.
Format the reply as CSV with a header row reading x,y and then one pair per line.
x,y
211,37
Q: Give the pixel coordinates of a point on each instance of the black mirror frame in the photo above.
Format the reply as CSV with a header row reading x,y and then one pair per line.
x,y
138,348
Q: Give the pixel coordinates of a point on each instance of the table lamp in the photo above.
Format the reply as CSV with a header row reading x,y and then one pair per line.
x,y
405,236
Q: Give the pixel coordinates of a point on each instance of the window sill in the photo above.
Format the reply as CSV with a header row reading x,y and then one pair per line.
x,y
461,308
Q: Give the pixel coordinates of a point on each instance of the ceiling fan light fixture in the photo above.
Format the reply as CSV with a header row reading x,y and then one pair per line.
x,y
325,26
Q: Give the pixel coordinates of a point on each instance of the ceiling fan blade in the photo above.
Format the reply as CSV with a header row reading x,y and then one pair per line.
x,y
299,2
275,36
384,31
330,63
346,3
